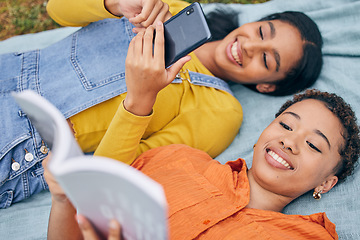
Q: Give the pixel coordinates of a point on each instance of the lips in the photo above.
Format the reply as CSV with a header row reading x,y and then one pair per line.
x,y
278,161
234,53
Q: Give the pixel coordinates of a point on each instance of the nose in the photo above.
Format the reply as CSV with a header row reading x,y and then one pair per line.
x,y
290,144
251,47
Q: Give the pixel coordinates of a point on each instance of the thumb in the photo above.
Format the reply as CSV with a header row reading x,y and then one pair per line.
x,y
167,16
175,68
87,230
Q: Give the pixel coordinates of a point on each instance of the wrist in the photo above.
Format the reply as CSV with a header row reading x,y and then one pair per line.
x,y
112,6
139,106
61,201
63,205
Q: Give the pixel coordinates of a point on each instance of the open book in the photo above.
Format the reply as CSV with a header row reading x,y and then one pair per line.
x,y
100,188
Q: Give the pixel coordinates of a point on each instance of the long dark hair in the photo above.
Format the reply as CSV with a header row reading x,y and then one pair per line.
x,y
222,21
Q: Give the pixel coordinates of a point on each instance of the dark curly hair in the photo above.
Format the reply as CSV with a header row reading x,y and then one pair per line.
x,y
350,150
222,21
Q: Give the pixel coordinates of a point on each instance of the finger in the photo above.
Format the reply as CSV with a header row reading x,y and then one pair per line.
x,y
138,44
87,230
148,43
46,161
159,44
47,175
175,68
136,24
167,16
134,52
114,230
151,19
148,13
162,16
138,29
139,18
131,50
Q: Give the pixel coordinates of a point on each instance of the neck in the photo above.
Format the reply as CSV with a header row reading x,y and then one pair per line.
x,y
206,55
261,198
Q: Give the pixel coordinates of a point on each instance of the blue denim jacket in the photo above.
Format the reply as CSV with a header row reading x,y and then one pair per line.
x,y
80,71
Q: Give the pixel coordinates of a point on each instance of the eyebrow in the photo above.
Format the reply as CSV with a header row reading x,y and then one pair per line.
x,y
293,114
275,52
317,131
272,30
323,136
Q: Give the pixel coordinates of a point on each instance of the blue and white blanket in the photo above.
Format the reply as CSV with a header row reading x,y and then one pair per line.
x,y
339,23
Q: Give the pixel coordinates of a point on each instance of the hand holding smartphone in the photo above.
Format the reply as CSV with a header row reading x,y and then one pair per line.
x,y
185,32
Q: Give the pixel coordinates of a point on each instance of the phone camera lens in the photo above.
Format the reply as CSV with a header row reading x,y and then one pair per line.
x,y
191,10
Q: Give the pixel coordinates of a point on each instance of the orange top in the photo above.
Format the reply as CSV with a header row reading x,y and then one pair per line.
x,y
207,200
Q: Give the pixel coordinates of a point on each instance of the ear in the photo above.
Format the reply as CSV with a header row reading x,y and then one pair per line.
x,y
265,87
327,184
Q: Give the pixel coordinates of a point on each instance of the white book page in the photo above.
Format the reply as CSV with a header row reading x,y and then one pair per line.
x,y
100,188
117,191
51,125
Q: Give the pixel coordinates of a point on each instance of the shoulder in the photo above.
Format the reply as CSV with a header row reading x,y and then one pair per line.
x,y
315,226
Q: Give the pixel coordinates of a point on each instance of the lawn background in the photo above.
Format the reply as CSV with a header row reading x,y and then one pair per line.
x,y
29,16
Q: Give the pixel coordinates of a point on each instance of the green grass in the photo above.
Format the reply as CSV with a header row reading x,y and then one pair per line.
x,y
27,20
29,16
23,16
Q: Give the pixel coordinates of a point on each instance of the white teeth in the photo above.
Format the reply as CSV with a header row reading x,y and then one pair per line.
x,y
234,53
279,159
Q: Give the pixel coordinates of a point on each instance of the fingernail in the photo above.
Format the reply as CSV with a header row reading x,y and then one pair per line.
x,y
113,224
79,220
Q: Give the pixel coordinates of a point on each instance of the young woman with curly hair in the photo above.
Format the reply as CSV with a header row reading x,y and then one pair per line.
x,y
311,145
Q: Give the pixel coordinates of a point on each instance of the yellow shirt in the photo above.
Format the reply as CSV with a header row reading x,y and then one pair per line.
x,y
201,117
79,13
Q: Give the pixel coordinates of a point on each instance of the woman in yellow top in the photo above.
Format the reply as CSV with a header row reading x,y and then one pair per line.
x,y
201,117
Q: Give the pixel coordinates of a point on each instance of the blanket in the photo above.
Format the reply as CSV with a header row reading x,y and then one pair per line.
x,y
339,23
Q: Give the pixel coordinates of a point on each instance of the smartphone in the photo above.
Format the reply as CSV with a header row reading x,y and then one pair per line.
x,y
184,32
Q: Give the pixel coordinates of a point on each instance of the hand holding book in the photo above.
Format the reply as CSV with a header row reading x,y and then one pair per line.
x,y
99,188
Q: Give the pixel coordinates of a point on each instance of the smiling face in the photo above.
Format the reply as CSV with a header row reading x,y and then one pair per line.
x,y
259,52
299,150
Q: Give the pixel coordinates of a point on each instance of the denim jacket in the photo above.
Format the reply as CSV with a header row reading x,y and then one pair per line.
x,y
80,71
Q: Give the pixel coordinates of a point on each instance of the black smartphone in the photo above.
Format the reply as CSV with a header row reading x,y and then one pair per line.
x,y
184,32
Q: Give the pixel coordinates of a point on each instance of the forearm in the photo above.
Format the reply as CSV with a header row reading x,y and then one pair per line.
x,y
62,222
145,77
77,13
122,138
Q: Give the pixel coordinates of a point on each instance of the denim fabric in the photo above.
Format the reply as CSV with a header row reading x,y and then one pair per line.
x,y
80,71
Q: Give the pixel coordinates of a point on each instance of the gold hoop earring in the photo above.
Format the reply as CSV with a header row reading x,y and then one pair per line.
x,y
317,195
254,146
